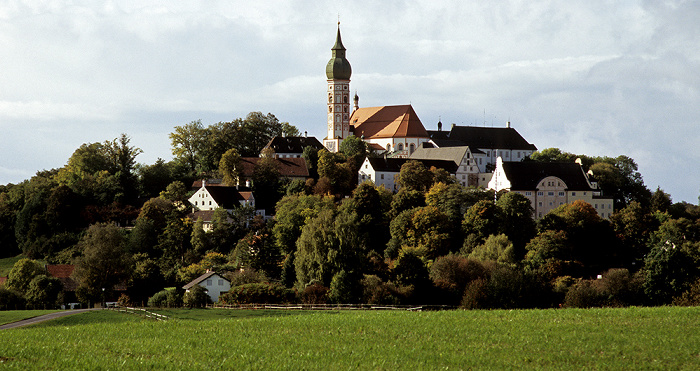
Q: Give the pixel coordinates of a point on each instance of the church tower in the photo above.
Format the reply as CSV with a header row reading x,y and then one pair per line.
x,y
338,72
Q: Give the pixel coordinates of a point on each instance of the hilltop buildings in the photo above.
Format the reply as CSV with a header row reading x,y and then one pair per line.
x,y
475,156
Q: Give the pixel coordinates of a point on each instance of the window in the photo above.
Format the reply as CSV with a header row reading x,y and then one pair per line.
x,y
208,282
540,193
411,148
221,282
400,146
596,206
539,204
550,193
561,194
528,193
573,193
382,176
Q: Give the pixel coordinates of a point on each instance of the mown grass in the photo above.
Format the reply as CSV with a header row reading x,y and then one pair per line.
x,y
656,338
18,315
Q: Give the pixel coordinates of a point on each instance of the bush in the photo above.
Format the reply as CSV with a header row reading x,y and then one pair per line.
x,y
314,294
616,288
166,299
452,273
345,288
258,293
689,298
375,291
196,297
124,300
506,287
43,291
242,277
584,294
11,300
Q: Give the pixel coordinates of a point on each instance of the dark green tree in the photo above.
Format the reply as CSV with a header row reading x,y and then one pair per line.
x,y
104,261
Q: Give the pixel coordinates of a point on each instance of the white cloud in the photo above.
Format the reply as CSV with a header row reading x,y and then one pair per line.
x,y
589,77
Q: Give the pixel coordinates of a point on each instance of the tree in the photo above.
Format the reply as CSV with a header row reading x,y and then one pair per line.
x,y
550,255
312,263
44,291
633,226
369,205
338,173
196,297
310,156
552,155
188,145
516,221
481,220
673,263
22,274
405,199
619,178
154,178
103,263
257,130
176,192
410,269
415,176
496,248
292,213
230,167
266,183
593,240
355,150
660,200
122,159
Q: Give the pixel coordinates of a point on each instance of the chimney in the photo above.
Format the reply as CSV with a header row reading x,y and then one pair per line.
x,y
204,183
247,183
508,124
305,134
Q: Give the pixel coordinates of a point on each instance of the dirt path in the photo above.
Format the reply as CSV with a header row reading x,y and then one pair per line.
x,y
43,318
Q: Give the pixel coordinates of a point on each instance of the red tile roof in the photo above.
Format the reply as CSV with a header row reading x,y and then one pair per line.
x,y
288,167
387,122
63,272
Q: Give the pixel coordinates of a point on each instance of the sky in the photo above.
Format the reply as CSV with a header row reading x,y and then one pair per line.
x,y
601,78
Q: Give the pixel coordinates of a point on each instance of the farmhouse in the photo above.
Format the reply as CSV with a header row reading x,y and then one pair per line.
x,y
214,283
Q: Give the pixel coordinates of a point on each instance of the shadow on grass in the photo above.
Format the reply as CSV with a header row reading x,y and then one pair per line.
x,y
89,318
213,314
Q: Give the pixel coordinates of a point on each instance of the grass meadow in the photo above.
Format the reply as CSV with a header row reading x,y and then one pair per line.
x,y
18,315
628,338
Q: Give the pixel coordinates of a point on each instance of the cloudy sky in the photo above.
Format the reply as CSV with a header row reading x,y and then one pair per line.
x,y
592,77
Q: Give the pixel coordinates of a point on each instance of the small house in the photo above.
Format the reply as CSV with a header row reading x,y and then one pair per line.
x,y
214,283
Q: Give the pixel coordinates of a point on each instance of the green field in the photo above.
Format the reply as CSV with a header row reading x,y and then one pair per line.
x,y
18,315
658,338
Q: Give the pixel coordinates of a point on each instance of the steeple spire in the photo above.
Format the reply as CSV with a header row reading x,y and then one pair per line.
x,y
338,66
